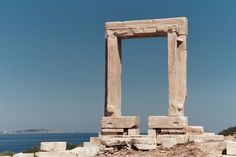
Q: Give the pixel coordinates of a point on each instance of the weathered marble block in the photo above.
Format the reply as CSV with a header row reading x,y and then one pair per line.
x,y
196,130
120,122
56,154
144,140
52,146
24,155
169,142
152,132
181,139
133,132
167,122
110,142
205,138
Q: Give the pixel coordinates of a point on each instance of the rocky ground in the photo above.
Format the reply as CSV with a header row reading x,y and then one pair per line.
x,y
206,145
188,150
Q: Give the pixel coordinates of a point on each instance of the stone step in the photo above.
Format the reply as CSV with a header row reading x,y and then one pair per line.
x,y
56,154
172,131
144,140
205,138
181,139
110,142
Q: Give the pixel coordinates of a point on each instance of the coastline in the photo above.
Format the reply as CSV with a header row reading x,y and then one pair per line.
x,y
21,142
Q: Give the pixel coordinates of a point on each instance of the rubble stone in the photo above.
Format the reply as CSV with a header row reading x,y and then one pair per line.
x,y
145,146
85,151
231,147
213,148
169,142
95,140
116,141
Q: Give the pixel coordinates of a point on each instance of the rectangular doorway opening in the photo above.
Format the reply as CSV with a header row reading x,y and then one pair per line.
x,y
144,78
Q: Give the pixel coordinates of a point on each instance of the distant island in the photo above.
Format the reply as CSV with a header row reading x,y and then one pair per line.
x,y
30,131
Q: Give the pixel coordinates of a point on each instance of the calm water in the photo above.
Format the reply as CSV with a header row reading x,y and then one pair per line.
x,y
21,142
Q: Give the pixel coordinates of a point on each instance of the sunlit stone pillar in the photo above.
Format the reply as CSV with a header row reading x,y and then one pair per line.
x,y
113,77
176,73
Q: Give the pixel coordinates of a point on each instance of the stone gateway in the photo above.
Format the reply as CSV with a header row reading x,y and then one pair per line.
x,y
175,30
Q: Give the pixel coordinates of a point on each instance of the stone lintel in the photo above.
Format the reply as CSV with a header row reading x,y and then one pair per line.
x,y
146,28
123,122
166,122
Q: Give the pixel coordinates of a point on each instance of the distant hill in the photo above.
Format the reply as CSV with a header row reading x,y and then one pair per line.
x,y
229,131
33,131
30,131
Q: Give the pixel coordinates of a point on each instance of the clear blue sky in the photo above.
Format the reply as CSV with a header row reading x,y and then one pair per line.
x,y
52,62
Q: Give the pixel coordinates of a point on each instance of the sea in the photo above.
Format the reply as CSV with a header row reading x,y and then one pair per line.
x,y
21,142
